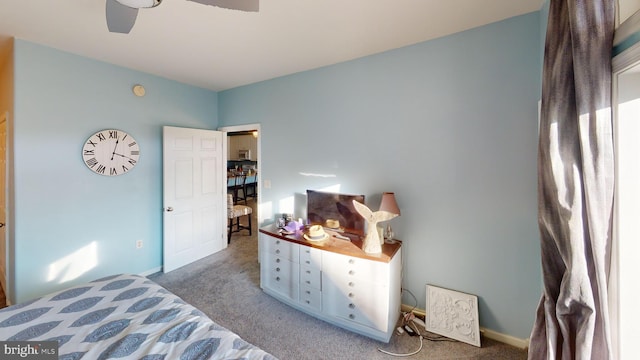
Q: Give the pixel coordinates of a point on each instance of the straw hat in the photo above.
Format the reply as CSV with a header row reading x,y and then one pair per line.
x,y
316,233
332,224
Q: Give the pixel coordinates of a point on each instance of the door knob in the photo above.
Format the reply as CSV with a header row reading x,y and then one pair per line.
x,y
169,209
1,225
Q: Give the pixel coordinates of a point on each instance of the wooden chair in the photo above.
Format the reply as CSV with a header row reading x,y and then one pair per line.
x,y
234,213
240,179
251,188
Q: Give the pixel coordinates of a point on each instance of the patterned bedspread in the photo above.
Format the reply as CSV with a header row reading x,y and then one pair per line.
x,y
123,316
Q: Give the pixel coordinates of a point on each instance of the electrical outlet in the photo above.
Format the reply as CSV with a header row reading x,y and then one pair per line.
x,y
138,244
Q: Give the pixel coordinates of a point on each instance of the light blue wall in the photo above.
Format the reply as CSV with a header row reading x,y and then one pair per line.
x,y
72,225
450,126
544,20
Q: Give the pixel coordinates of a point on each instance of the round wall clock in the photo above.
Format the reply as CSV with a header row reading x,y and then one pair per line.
x,y
110,152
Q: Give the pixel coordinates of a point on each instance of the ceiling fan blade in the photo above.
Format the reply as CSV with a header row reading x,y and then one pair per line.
x,y
243,5
120,18
139,4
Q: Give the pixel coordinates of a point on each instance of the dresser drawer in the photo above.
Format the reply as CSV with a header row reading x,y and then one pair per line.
x,y
311,297
354,268
310,256
278,265
360,302
281,248
311,276
281,275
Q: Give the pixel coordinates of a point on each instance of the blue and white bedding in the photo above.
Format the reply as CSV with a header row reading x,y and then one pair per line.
x,y
123,316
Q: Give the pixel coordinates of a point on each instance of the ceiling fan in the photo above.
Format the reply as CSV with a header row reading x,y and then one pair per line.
x,y
121,14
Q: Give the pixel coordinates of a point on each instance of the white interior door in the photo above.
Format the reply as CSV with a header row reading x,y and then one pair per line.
x,y
194,202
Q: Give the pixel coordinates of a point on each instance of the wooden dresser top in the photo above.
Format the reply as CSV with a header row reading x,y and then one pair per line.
x,y
340,246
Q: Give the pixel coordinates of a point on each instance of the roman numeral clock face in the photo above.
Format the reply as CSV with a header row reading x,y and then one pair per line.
x,y
110,152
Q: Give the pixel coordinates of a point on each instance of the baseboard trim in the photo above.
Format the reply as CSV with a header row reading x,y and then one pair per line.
x,y
488,333
151,271
506,339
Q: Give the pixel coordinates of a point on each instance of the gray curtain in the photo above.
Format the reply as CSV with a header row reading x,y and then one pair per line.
x,y
575,182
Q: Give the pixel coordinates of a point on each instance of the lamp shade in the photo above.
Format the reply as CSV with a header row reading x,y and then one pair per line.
x,y
388,203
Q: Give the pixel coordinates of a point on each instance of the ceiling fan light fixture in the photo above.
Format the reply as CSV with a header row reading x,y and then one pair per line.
x,y
139,4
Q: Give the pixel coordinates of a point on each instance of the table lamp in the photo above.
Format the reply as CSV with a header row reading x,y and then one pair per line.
x,y
389,204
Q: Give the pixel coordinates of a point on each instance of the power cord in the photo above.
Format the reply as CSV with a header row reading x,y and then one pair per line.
x,y
406,322
407,354
415,300
409,320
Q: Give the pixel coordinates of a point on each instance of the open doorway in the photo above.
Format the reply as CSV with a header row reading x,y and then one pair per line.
x,y
243,155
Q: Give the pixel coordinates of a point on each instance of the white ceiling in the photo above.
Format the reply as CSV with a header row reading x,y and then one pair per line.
x,y
218,49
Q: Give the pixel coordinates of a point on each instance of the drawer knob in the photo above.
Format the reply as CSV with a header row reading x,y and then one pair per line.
x,y
351,272
351,316
351,283
351,295
308,262
278,251
277,260
351,261
308,282
277,241
308,272
278,278
352,306
278,269
308,302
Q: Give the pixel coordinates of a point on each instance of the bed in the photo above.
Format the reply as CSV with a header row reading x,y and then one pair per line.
x,y
123,316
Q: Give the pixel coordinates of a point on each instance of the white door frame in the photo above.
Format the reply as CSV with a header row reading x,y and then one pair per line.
x,y
247,127
6,270
622,267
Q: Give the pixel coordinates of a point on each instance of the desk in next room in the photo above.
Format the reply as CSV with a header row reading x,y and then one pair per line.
x,y
334,280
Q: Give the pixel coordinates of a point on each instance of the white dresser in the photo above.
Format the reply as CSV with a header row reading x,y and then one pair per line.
x,y
334,280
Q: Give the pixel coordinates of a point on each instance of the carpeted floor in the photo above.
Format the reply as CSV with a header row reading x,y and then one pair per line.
x,y
226,286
